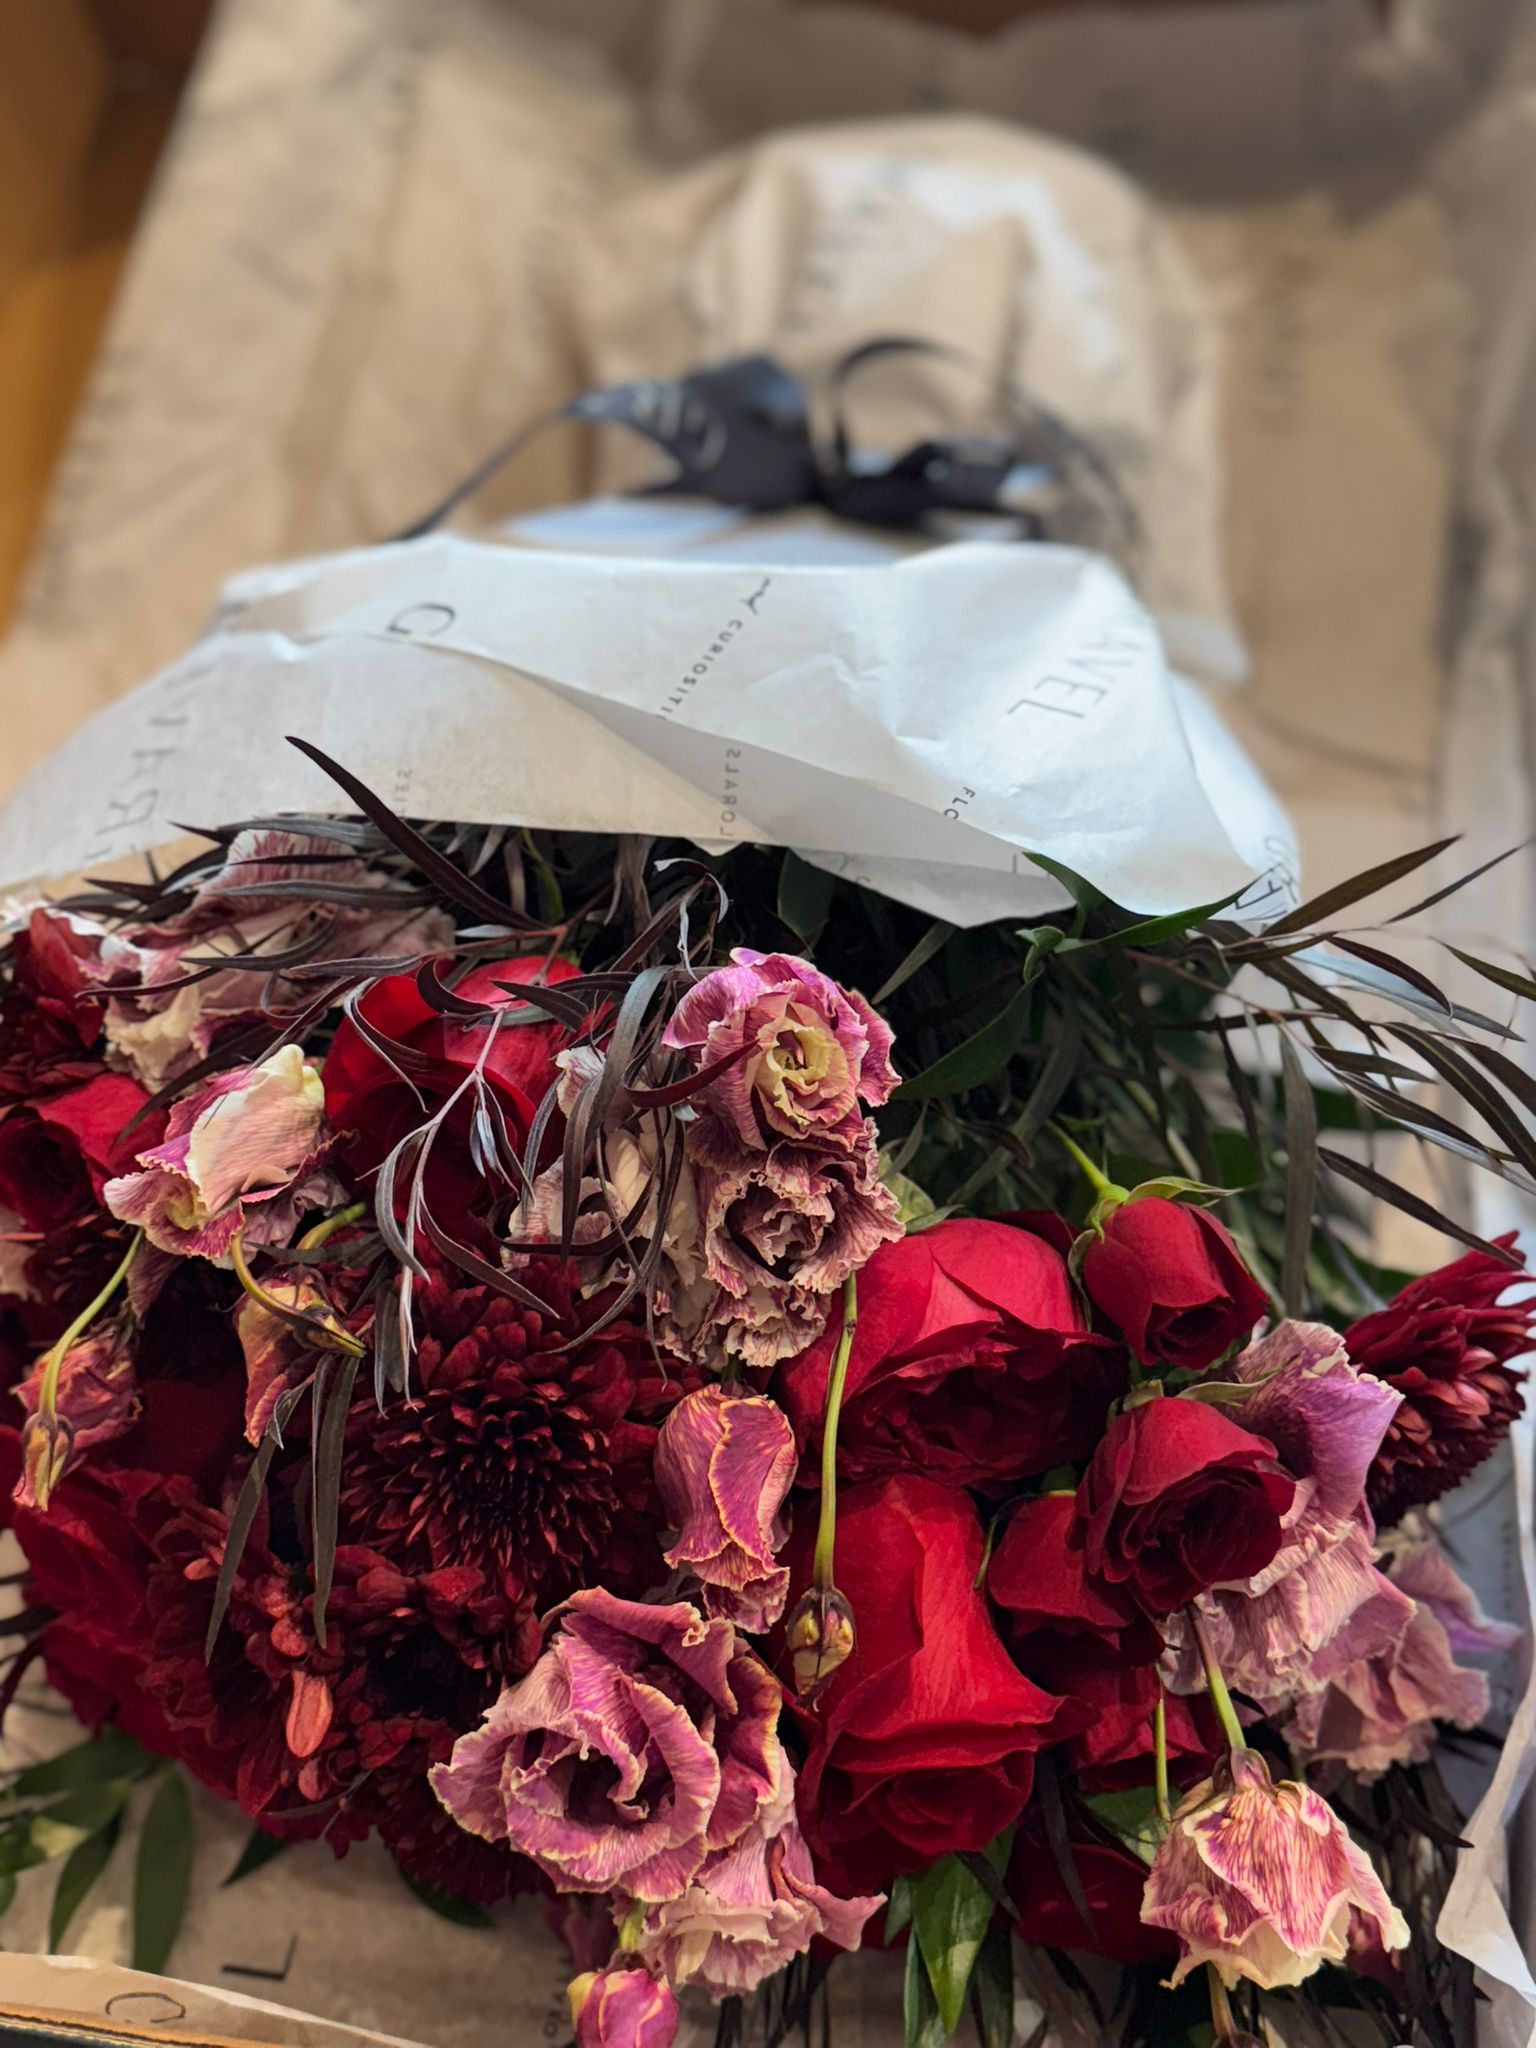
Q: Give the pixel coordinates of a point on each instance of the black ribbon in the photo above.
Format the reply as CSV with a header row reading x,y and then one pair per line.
x,y
740,432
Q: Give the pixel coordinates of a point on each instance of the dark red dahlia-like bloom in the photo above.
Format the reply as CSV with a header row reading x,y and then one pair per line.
x,y
1445,1344
526,1448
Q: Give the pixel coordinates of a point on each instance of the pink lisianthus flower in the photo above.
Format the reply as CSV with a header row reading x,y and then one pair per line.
x,y
165,1004
797,1053
623,2007
724,1463
643,1741
750,1910
1262,1881
1383,1709
242,1157
1321,1604
783,1229
96,1400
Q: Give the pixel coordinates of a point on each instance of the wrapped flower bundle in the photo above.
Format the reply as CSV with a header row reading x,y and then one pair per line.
x,y
684,1387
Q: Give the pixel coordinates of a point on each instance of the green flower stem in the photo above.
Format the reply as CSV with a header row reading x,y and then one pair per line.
x,y
1221,1699
48,1392
1099,1182
1160,1758
332,1337
826,1532
322,1232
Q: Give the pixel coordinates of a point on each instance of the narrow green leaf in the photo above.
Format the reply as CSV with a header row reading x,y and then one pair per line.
x,y
976,1059
240,1527
923,2025
330,1448
60,1828
993,1983
1083,894
1343,894
805,896
7,1893
80,1871
1300,1177
898,1913
1502,977
933,941
111,1754
951,1912
462,1912
162,1873
1156,931
1454,888
256,1855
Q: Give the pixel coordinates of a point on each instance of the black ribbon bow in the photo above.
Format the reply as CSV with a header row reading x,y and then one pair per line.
x,y
740,433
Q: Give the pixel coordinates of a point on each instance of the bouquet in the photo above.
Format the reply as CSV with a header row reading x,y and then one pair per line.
x,y
678,1385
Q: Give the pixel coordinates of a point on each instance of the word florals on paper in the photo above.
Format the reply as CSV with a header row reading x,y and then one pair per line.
x,y
508,1350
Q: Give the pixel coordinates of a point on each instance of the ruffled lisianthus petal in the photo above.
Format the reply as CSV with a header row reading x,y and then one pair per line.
x,y
802,1051
752,1907
783,1229
1447,1345
724,1463
239,1158
972,1362
164,1013
1262,1880
643,1739
1383,1709
1320,1604
1325,1418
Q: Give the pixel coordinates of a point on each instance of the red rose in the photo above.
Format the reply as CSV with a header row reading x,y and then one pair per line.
x,y
1178,1499
49,1020
1112,1881
1088,1640
1052,1607
56,1155
1172,1282
972,1362
925,1740
366,1097
1445,1343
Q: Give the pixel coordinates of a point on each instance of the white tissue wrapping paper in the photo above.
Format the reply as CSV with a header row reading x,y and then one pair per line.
x,y
923,727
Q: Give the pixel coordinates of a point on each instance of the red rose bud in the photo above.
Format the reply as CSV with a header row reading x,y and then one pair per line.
x,y
623,2008
1445,1344
1170,1279
820,1638
1177,1499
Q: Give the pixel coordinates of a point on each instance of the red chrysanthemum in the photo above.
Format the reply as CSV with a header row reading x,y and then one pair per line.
x,y
1445,1344
526,1447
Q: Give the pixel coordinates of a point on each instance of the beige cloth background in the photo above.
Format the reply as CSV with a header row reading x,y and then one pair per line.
x,y
358,276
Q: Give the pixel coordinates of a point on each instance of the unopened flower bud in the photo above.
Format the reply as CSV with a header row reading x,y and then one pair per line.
x,y
623,2008
46,1444
820,1636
